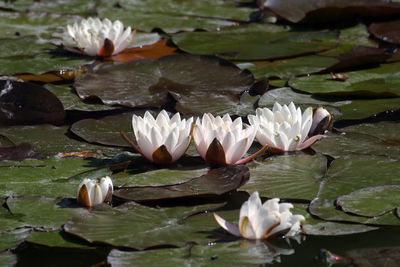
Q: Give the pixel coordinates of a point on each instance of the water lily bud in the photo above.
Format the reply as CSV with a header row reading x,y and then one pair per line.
x,y
221,141
91,192
284,128
100,38
322,121
262,221
162,140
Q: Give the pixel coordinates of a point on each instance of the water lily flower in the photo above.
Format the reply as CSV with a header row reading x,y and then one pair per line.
x,y
92,192
262,221
284,128
322,121
219,141
100,38
162,140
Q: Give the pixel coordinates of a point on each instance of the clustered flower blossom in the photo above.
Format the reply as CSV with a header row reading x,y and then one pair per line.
x,y
221,141
104,38
92,192
262,221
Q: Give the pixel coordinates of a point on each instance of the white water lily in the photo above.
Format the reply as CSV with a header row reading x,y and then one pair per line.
x,y
162,140
284,128
220,141
92,192
262,221
101,38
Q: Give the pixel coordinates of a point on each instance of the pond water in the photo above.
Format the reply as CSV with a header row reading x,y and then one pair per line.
x,y
66,107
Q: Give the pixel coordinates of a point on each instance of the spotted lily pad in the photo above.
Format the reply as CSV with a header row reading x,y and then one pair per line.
x,y
287,177
377,82
255,42
140,227
370,201
146,83
215,182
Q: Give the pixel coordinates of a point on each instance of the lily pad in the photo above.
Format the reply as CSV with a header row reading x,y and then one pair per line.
x,y
8,259
11,239
353,173
351,143
146,83
328,10
240,252
171,16
106,131
255,42
24,103
370,201
287,177
360,109
19,152
55,240
140,227
50,177
386,31
58,139
42,212
215,182
382,256
288,68
40,57
387,131
382,81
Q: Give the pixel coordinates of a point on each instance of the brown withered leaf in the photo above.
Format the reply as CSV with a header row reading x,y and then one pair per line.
x,y
153,51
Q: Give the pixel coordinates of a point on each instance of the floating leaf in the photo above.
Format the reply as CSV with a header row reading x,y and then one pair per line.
x,y
382,256
382,81
50,177
19,152
287,177
146,83
24,103
215,182
240,252
255,42
11,239
386,31
140,227
387,131
371,201
42,212
58,139
327,10
8,259
55,240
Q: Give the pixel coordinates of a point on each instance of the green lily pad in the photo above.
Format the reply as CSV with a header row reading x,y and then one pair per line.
x,y
11,239
50,177
288,68
55,240
106,131
386,130
42,212
349,174
236,253
287,177
370,201
360,109
215,182
158,177
71,101
41,24
146,83
40,57
58,139
19,152
171,16
255,42
351,143
8,259
8,222
140,227
378,82
316,226
222,104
